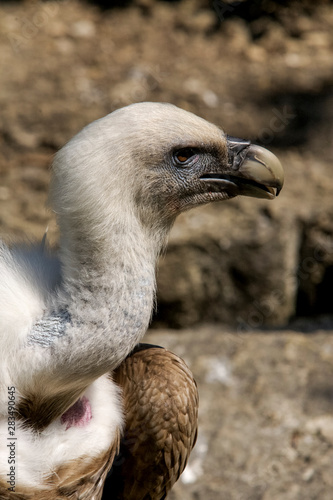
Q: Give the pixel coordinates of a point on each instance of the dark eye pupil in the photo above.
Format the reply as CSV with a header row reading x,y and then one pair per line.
x,y
184,155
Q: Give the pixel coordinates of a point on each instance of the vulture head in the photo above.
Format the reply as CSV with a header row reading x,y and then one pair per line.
x,y
153,161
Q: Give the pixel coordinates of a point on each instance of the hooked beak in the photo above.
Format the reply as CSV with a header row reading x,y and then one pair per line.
x,y
254,171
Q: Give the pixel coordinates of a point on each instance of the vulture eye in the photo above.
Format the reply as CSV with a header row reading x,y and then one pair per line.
x,y
185,156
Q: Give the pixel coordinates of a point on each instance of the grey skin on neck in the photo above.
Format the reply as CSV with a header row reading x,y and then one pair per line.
x,y
104,304
112,305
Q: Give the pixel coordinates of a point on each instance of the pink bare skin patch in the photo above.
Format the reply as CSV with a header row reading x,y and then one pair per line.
x,y
77,415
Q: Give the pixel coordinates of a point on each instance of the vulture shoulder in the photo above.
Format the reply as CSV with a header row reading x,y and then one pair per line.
x,y
161,418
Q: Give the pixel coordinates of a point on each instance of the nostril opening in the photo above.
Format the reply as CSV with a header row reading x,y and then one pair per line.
x,y
236,151
236,145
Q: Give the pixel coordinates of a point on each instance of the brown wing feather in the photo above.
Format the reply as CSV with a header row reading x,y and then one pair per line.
x,y
161,411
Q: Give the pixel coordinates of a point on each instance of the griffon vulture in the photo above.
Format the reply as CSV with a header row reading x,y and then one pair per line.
x,y
80,399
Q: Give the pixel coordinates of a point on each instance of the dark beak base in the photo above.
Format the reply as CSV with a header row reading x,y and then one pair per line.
x,y
254,171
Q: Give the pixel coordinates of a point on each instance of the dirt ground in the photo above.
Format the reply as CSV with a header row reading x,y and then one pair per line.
x,y
262,70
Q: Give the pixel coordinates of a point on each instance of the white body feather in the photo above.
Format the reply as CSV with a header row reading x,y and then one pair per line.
x,y
28,280
28,277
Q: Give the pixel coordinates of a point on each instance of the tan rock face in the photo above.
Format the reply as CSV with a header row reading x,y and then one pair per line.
x,y
237,266
315,270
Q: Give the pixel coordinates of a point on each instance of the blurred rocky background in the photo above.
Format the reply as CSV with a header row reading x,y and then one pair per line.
x,y
245,288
